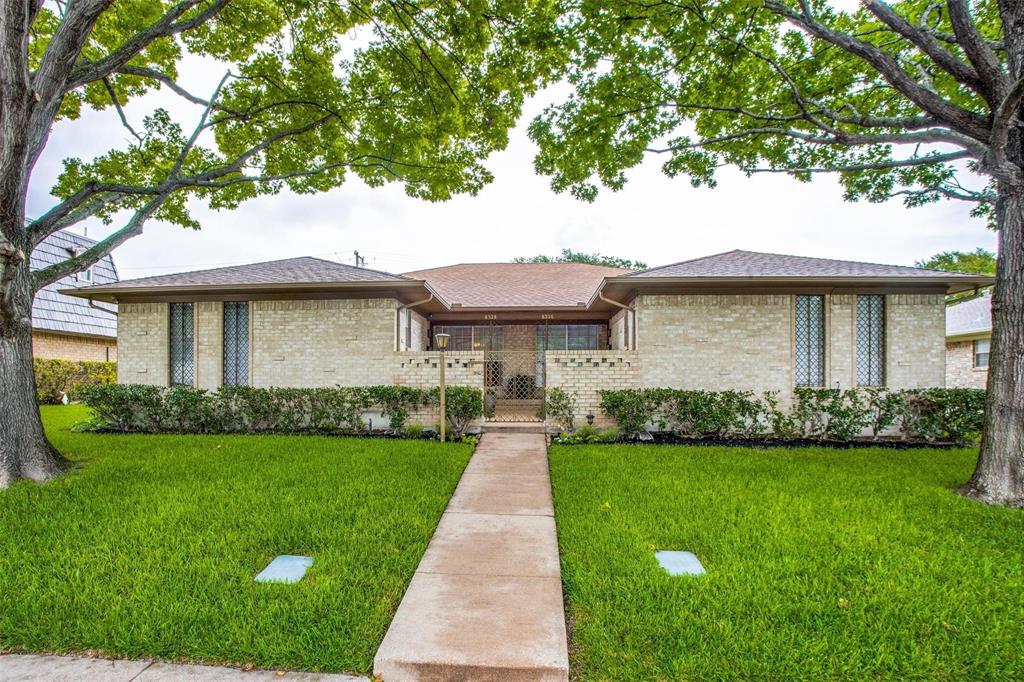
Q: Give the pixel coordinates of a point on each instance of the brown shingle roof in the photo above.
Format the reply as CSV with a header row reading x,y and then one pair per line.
x,y
288,271
527,285
738,263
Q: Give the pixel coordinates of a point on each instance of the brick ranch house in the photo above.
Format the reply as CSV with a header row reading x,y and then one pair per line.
x,y
736,320
968,340
66,327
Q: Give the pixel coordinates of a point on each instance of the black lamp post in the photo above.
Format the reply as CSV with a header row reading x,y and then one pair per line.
x,y
441,341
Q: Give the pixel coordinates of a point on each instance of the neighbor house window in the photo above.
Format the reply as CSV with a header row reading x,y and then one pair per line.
x,y
182,343
86,275
870,340
408,329
236,343
810,340
981,350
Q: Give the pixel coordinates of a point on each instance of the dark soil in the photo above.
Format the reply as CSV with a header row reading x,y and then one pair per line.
x,y
668,438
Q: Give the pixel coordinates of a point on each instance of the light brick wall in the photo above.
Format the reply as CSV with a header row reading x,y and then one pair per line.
x,y
422,370
746,342
915,340
718,342
617,331
209,344
960,370
519,337
420,332
585,372
315,343
77,348
840,363
142,339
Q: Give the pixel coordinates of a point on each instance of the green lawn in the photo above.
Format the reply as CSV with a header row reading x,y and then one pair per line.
x,y
150,546
822,564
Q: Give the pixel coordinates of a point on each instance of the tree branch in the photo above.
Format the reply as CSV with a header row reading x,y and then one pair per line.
x,y
978,52
929,136
164,79
49,80
120,111
928,44
911,162
166,26
958,118
53,273
997,161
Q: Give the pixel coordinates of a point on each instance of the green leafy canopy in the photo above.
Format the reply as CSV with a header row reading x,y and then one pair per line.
x,y
390,91
570,256
766,86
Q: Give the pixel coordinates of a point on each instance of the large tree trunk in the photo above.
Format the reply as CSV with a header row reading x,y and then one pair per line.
x,y
24,450
999,476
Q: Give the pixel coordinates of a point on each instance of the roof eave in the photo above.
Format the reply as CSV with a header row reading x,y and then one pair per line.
x,y
969,334
112,294
952,284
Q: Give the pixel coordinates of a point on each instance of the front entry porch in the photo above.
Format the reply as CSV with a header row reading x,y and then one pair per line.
x,y
515,376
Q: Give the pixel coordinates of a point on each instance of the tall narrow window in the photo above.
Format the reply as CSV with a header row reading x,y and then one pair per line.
x,y
810,340
236,343
408,329
182,343
870,340
981,350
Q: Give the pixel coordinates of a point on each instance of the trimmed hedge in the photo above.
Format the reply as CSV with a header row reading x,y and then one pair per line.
x,y
932,414
55,378
135,408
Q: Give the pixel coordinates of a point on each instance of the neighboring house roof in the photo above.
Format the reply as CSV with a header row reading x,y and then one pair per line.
x,y
517,285
52,311
971,317
732,264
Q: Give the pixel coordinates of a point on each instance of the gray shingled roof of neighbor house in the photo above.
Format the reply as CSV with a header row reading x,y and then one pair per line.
x,y
734,264
304,270
970,317
52,311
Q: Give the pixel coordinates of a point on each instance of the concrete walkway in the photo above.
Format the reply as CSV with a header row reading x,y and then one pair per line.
x,y
36,668
486,600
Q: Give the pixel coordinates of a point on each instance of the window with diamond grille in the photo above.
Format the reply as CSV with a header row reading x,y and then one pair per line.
x,y
182,343
810,340
236,343
870,340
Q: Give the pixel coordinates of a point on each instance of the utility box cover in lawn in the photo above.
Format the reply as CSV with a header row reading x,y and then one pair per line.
x,y
285,568
680,563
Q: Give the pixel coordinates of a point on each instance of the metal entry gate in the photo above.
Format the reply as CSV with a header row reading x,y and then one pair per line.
x,y
513,385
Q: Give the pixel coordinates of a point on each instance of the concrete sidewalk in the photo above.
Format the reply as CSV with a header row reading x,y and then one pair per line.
x,y
486,600
36,668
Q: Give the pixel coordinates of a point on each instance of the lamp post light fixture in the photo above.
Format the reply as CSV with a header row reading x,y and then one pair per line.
x,y
441,341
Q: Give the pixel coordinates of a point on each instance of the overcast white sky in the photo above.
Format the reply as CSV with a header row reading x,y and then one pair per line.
x,y
654,219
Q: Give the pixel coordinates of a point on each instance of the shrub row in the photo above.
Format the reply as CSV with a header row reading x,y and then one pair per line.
x,y
932,414
135,408
57,378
